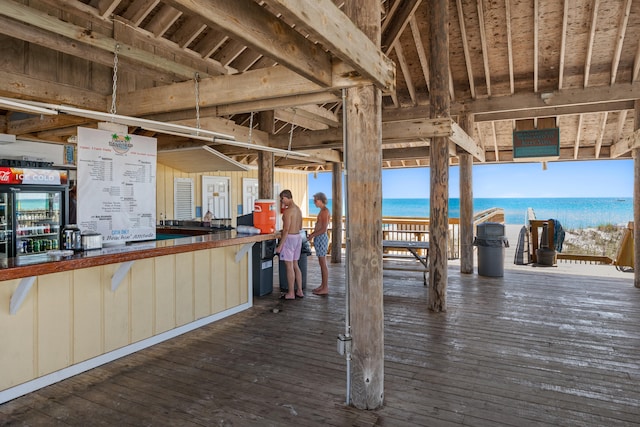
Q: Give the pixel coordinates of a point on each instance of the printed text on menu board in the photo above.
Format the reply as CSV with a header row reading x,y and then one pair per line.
x,y
116,185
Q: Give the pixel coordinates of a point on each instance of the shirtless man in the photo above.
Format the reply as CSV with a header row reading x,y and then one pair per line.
x,y
321,241
291,244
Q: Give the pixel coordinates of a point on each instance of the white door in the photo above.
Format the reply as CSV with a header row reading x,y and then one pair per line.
x,y
249,194
216,196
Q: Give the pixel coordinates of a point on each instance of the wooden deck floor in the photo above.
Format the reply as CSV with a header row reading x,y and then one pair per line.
x,y
532,348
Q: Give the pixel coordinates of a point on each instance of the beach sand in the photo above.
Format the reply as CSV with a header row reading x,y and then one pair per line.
x,y
562,267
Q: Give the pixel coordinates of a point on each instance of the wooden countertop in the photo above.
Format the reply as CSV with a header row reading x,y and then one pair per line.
x,y
35,265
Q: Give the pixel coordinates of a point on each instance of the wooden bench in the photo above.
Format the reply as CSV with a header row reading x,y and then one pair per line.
x,y
412,247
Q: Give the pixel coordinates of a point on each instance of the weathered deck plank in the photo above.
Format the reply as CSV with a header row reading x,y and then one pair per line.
x,y
532,348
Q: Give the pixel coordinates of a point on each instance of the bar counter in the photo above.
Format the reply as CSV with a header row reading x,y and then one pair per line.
x,y
35,265
63,315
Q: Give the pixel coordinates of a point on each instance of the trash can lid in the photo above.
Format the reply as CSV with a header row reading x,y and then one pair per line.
x,y
490,229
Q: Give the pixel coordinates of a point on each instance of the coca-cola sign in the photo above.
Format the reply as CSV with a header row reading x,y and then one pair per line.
x,y
32,176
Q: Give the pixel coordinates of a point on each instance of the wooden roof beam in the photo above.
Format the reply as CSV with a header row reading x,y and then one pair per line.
x,y
495,141
625,145
251,24
189,31
393,132
45,21
536,43
507,8
328,25
556,111
290,116
106,7
315,156
230,52
622,118
139,10
260,84
405,153
622,30
396,23
576,146
466,142
592,36
22,86
561,98
485,48
315,113
163,20
422,56
135,36
563,43
465,48
404,67
210,43
601,131
59,43
636,66
255,106
43,123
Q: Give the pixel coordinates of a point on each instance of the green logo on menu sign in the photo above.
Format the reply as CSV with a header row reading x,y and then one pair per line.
x,y
120,144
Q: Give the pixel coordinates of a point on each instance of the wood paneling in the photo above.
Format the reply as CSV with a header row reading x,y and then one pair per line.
x,y
116,321
184,283
218,284
296,181
18,355
201,281
165,294
142,278
88,335
73,316
54,324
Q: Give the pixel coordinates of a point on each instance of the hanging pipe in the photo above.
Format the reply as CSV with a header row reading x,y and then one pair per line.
x,y
347,317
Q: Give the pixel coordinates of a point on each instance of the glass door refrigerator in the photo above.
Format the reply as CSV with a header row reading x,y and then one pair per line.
x,y
33,209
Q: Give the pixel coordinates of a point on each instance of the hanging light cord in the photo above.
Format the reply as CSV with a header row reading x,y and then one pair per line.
x,y
115,81
250,127
291,136
197,90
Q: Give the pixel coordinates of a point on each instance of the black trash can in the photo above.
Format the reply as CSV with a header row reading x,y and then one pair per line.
x,y
491,241
305,251
262,267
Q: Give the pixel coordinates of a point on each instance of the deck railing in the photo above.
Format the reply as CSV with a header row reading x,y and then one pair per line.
x,y
417,229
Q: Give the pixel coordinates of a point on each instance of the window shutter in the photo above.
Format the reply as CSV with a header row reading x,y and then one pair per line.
x,y
183,203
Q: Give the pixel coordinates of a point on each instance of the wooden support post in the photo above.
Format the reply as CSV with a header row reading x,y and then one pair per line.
x,y
336,213
636,201
364,194
439,156
466,202
266,166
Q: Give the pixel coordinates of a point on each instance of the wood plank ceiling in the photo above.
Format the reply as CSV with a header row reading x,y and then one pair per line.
x,y
514,64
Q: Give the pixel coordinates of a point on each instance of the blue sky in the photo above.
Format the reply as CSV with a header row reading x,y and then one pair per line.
x,y
602,178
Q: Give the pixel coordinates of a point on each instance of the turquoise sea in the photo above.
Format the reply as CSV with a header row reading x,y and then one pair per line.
x,y
571,212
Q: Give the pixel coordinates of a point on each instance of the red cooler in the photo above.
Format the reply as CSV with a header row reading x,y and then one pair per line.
x,y
264,215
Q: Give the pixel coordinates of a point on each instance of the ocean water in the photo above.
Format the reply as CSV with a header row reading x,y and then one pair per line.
x,y
571,212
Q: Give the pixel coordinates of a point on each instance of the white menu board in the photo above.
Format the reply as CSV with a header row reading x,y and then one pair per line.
x,y
116,185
